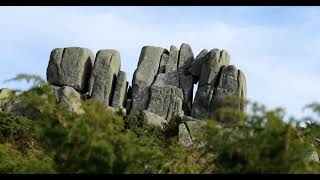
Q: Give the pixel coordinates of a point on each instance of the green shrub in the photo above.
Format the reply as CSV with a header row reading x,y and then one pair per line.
x,y
263,144
100,141
15,161
15,129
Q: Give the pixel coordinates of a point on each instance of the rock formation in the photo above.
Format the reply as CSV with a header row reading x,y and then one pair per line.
x,y
162,84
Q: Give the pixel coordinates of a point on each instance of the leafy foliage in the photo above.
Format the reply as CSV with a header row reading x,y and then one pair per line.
x,y
41,136
263,144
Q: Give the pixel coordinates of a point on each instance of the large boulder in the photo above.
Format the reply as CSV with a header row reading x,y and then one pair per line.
x,y
120,91
70,67
103,78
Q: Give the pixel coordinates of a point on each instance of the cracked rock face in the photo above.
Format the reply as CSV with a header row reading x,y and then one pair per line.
x,y
70,67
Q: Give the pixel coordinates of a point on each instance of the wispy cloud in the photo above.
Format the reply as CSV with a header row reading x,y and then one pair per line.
x,y
277,48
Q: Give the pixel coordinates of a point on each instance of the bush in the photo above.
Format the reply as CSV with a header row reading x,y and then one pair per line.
x,y
263,144
16,130
14,161
100,141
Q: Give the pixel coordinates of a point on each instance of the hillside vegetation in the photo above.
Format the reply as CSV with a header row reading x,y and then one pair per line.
x,y
45,138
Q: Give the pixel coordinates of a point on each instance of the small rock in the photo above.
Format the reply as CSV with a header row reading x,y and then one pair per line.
x,y
5,95
70,98
154,119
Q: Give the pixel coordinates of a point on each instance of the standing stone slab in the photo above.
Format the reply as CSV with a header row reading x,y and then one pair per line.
x,y
70,67
243,91
145,75
103,78
186,81
120,91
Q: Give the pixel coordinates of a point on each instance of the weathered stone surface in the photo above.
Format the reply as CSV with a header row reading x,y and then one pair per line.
x,y
144,76
70,67
154,119
5,95
212,65
120,91
166,101
103,78
70,98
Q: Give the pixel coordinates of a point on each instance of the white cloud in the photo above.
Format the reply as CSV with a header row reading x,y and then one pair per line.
x,y
278,60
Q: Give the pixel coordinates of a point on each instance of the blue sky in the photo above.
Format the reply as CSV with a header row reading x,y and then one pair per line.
x,y
278,48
